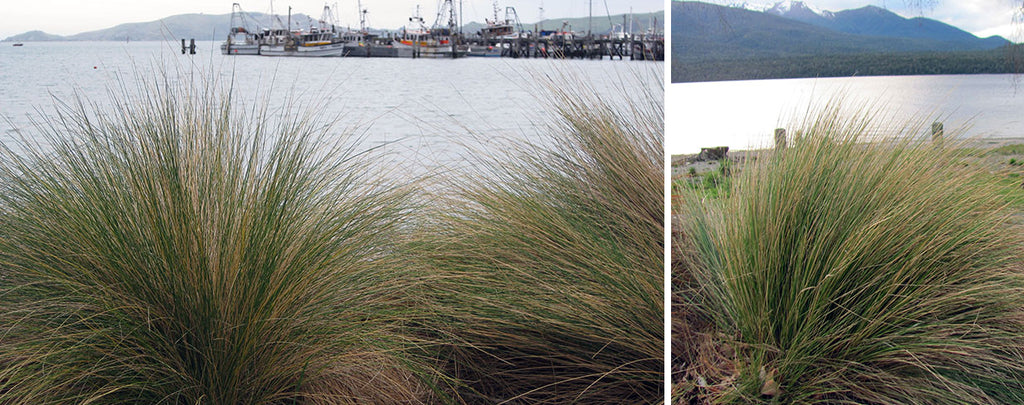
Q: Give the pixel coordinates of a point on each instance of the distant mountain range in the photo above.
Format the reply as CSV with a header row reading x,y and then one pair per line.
x,y
198,26
215,27
601,24
701,31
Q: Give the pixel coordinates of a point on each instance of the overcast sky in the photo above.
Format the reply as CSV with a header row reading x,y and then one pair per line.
x,y
67,17
979,17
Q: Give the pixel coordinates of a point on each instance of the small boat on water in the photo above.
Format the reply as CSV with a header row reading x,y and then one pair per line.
x,y
19,44
482,51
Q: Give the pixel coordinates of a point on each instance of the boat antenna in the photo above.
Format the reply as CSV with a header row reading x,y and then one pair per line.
x,y
418,18
362,16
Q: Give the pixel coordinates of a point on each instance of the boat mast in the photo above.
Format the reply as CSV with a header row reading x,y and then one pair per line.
x,y
362,16
448,7
540,17
324,18
275,20
453,37
590,18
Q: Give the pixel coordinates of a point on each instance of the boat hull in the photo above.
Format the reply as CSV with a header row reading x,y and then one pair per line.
x,y
432,51
484,52
240,49
378,51
328,50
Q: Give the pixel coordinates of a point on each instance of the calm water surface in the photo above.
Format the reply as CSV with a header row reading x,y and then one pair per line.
x,y
744,114
422,110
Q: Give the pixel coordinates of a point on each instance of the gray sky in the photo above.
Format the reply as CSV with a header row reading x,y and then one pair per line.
x,y
979,17
66,17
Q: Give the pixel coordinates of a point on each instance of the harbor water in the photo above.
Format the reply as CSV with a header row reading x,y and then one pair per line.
x,y
427,113
744,114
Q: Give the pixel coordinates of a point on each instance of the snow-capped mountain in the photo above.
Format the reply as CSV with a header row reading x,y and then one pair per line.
x,y
794,7
782,8
797,10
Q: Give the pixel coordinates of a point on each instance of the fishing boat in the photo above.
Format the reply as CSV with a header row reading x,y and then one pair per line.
x,y
496,33
507,28
240,40
440,41
365,44
318,41
299,43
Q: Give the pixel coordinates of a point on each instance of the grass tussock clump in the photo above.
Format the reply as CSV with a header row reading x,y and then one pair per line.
x,y
178,250
847,271
551,261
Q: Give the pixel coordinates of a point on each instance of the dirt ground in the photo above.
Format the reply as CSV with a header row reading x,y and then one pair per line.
x,y
995,162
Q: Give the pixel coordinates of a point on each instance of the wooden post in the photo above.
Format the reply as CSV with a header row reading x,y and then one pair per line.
x,y
937,133
780,138
536,40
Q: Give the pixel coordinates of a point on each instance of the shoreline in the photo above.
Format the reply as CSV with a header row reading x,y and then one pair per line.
x,y
681,163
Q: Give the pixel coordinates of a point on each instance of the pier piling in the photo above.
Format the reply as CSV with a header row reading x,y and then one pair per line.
x,y
780,138
937,133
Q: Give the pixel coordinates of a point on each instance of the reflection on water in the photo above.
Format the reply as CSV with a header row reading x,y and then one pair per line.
x,y
744,114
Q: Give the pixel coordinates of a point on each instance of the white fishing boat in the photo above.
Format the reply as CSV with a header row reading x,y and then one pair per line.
x,y
422,44
240,41
441,41
365,44
318,41
299,43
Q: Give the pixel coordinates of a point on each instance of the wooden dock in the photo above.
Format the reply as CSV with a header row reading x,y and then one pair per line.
x,y
636,48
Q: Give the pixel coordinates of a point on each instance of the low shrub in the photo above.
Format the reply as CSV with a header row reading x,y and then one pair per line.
x,y
846,269
552,260
172,248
